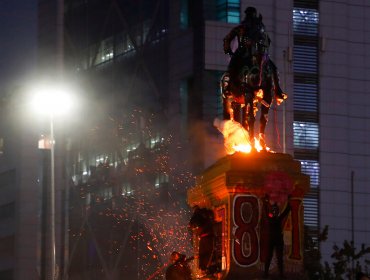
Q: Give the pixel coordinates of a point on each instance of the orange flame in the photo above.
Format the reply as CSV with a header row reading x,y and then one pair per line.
x,y
242,148
236,137
248,148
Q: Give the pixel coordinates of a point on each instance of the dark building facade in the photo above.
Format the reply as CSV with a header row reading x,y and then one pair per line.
x,y
141,67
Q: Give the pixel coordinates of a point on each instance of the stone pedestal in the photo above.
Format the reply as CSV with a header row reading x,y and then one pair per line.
x,y
235,188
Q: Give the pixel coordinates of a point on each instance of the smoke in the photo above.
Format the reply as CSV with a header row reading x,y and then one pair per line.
x,y
207,144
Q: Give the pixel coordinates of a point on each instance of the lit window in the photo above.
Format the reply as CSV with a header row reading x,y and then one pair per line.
x,y
154,141
228,11
184,14
102,159
106,193
129,148
311,206
305,21
105,51
311,168
126,190
161,178
306,130
123,44
306,135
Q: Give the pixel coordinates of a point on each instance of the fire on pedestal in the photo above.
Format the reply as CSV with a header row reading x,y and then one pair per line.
x,y
247,206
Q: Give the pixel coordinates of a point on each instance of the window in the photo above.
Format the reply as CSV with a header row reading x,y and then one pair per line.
x,y
306,135
184,14
129,148
123,44
126,190
306,93
228,11
154,141
105,51
160,179
305,59
311,211
184,100
106,193
305,97
311,168
305,21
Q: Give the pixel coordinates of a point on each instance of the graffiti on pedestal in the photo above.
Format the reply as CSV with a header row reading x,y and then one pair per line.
x,y
245,246
252,221
258,229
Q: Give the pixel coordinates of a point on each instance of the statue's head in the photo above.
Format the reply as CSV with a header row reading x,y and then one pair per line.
x,y
250,12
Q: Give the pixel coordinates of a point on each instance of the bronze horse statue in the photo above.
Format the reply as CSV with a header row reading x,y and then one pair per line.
x,y
251,78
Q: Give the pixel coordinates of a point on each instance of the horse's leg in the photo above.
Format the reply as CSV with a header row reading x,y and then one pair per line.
x,y
227,97
228,108
265,107
249,116
263,122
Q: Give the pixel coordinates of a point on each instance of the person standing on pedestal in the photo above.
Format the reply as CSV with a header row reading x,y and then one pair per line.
x,y
276,222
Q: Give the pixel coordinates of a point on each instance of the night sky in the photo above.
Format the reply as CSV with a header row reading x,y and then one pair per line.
x,y
18,37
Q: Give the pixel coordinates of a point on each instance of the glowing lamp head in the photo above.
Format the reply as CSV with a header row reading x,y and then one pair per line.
x,y
51,101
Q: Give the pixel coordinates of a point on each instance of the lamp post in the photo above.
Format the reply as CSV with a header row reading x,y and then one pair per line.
x,y
52,197
52,102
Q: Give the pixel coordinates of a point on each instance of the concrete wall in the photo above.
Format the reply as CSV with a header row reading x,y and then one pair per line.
x,y
345,120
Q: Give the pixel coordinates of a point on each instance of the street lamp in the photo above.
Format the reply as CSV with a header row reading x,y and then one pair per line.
x,y
51,102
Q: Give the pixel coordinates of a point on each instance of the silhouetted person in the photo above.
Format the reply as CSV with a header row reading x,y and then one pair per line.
x,y
275,235
179,268
201,223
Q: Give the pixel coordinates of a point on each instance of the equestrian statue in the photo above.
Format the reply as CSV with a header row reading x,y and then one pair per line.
x,y
251,77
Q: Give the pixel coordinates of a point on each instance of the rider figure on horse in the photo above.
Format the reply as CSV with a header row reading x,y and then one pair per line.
x,y
251,75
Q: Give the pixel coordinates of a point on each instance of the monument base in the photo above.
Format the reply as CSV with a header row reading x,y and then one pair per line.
x,y
242,190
